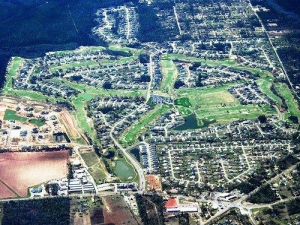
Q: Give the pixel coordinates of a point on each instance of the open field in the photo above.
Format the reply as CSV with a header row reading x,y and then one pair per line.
x,y
5,192
90,158
22,170
265,85
131,135
117,204
94,164
11,115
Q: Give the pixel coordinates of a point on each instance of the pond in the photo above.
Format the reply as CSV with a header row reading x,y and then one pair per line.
x,y
123,170
191,123
136,153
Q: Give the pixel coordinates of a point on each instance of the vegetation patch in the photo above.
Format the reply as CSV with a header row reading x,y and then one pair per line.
x,y
131,135
37,122
265,195
37,211
183,102
11,115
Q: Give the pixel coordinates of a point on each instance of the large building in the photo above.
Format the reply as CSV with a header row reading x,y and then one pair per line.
x,y
172,206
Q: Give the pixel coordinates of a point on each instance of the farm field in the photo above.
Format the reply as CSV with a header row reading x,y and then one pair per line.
x,y
5,192
22,170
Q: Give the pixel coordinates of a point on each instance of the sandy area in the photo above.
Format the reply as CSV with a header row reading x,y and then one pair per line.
x,y
22,170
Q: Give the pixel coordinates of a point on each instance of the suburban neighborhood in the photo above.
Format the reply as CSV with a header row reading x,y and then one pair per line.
x,y
200,128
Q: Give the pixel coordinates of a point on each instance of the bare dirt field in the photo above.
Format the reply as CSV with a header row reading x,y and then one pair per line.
x,y
21,170
84,219
5,192
69,124
115,204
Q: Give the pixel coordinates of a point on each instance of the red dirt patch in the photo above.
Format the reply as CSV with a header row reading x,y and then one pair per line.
x,y
153,182
21,170
5,192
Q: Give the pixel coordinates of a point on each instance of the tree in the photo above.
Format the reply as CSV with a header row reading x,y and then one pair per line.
x,y
262,119
107,85
198,82
178,84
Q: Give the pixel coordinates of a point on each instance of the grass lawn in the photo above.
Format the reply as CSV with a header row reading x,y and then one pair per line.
x,y
131,136
169,72
11,115
185,102
37,122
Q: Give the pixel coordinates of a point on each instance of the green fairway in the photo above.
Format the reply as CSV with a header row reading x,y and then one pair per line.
x,y
286,93
12,70
169,72
37,122
184,111
80,114
11,115
185,102
208,97
265,85
132,133
232,113
88,92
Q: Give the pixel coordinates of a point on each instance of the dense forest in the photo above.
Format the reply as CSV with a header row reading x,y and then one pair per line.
x,y
150,209
37,212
